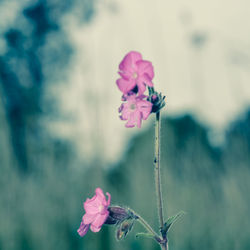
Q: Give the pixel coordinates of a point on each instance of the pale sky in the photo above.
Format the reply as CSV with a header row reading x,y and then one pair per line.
x,y
210,81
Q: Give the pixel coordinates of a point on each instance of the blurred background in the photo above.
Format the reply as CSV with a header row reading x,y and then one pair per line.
x,y
60,135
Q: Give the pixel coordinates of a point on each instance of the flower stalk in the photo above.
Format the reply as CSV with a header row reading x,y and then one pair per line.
x,y
157,171
145,224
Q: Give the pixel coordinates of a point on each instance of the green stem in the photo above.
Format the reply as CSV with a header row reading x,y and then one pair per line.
x,y
164,245
161,240
157,170
145,224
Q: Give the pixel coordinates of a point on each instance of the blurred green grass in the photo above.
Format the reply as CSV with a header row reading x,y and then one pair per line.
x,y
42,209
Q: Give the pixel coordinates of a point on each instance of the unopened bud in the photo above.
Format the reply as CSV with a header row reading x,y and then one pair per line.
x,y
156,99
124,228
118,214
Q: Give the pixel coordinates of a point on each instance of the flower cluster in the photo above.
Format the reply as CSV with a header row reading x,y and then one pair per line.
x,y
136,75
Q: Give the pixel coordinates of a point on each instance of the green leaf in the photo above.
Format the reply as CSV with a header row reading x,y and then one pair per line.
x,y
170,221
146,235
150,91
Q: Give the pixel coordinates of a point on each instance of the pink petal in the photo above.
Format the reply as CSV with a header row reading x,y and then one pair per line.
x,y
141,86
120,108
83,229
135,118
125,114
98,222
145,67
125,85
101,197
88,218
147,80
139,118
95,229
131,98
145,108
122,118
92,206
128,63
141,97
100,193
124,76
129,125
124,98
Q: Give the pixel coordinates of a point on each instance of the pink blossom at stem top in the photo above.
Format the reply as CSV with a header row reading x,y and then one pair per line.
x,y
135,72
134,110
96,214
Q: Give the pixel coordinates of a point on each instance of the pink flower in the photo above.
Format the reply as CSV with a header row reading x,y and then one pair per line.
x,y
96,214
135,72
134,110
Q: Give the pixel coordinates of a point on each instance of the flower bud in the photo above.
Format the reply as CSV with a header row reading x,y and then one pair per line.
x,y
124,228
118,214
156,99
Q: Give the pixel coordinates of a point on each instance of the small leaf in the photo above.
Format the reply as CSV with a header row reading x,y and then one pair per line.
x,y
146,235
170,221
173,219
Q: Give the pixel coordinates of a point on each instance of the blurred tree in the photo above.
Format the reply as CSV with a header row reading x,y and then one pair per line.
x,y
30,62
238,142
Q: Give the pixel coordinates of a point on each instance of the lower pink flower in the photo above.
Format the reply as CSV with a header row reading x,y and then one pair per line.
x,y
135,110
96,214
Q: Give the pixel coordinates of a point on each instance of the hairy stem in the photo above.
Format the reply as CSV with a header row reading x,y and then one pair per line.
x,y
145,224
161,240
157,170
165,246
